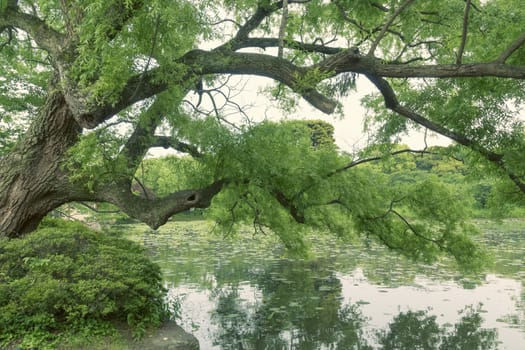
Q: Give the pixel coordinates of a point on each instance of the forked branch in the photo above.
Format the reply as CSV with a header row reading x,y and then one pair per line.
x,y
387,25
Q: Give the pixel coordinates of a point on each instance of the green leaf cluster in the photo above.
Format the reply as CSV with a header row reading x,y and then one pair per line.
x,y
65,279
169,174
120,39
283,181
94,161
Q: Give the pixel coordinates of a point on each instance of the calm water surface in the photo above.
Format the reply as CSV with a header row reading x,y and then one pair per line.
x,y
244,293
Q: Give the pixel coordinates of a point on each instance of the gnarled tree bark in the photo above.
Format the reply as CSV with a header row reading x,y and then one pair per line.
x,y
32,182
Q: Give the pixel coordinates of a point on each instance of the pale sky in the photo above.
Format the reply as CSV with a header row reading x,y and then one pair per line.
x,y
349,132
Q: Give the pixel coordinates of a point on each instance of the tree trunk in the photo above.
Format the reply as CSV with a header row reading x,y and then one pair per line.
x,y
32,182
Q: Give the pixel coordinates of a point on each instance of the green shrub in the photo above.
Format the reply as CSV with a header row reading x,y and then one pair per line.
x,y
65,279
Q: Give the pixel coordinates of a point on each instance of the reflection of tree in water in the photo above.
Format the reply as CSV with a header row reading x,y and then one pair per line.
x,y
418,330
232,318
301,308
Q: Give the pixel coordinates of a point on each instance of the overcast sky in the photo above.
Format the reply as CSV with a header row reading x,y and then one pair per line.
x,y
349,133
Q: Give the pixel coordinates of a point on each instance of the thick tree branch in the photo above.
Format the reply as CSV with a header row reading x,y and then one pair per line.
x,y
143,138
264,43
452,71
262,12
140,140
200,62
296,214
392,103
138,88
155,212
45,37
351,60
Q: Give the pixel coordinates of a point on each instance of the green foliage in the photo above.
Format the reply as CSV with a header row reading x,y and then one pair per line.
x,y
505,200
24,76
414,203
168,174
482,190
322,133
290,186
94,161
156,32
64,280
277,162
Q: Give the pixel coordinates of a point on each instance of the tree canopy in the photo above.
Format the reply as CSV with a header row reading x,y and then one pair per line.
x,y
88,87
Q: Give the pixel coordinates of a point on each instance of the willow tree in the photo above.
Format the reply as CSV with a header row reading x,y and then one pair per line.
x,y
88,87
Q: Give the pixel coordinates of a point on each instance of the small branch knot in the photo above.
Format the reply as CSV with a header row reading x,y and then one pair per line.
x,y
192,198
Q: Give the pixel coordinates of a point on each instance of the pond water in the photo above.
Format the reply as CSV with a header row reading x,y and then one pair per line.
x,y
244,293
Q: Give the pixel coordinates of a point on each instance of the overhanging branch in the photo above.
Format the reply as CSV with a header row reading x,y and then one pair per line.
x,y
264,43
200,62
392,104
155,212
351,60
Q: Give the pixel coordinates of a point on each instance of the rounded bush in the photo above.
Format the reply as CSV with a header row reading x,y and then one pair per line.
x,y
65,279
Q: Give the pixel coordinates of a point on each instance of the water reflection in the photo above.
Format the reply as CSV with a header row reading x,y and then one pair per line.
x,y
244,295
300,307
299,310
418,330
